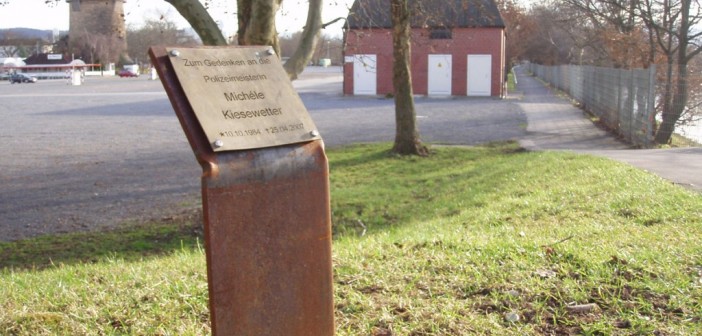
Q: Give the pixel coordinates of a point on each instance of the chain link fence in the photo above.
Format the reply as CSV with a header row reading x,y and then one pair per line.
x,y
623,100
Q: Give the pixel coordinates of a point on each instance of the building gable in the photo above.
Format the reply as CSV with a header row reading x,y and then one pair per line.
x,y
457,48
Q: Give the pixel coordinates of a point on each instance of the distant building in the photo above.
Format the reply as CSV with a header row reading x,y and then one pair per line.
x,y
90,19
7,64
46,66
458,48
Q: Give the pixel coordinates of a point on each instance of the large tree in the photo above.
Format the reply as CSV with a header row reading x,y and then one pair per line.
x,y
675,25
309,41
519,27
152,33
407,140
328,47
615,29
256,22
669,28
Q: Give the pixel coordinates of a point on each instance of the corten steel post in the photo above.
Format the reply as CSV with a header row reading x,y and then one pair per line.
x,y
267,230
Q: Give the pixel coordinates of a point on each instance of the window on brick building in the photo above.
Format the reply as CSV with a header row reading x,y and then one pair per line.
x,y
440,33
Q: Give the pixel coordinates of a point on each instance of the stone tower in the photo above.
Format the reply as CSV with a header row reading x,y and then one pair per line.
x,y
95,21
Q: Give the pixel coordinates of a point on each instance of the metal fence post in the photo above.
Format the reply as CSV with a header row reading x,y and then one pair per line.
x,y
651,106
631,102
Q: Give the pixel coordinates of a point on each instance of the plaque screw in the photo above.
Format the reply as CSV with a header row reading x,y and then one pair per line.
x,y
314,133
270,52
175,53
218,143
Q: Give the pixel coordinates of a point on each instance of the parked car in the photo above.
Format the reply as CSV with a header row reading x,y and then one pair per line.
x,y
127,73
22,78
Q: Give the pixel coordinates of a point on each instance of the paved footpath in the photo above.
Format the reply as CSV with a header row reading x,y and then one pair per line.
x,y
555,124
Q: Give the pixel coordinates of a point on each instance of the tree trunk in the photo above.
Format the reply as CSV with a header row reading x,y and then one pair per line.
x,y
407,140
195,13
257,23
310,36
243,16
670,117
679,100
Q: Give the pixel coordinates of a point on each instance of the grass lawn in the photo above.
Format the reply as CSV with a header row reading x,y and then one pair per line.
x,y
469,241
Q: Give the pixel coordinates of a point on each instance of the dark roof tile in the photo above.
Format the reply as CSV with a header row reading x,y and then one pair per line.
x,y
428,13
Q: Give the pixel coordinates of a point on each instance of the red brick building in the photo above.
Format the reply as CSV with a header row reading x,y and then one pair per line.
x,y
458,48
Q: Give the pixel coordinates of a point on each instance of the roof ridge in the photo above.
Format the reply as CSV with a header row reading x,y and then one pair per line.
x,y
428,13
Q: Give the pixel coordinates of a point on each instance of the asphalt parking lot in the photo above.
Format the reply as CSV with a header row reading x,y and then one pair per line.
x,y
109,151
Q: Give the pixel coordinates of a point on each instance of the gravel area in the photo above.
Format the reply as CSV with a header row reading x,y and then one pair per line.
x,y
110,151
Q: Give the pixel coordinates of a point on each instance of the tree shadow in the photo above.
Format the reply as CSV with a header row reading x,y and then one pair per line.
x,y
419,190
401,190
130,242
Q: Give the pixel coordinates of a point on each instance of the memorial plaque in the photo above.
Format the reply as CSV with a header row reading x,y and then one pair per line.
x,y
265,190
242,97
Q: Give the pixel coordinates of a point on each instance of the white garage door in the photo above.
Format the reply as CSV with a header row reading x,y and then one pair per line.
x,y
439,75
364,75
479,75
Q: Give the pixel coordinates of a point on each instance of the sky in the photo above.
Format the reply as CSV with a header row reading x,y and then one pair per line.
x,y
291,18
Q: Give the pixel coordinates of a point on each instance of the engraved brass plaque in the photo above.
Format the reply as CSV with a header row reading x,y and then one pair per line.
x,y
242,97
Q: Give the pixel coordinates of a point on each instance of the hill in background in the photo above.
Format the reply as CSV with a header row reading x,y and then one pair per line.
x,y
28,33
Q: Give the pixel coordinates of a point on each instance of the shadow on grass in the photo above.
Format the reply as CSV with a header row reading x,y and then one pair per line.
x,y
369,154
375,190
130,242
380,190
